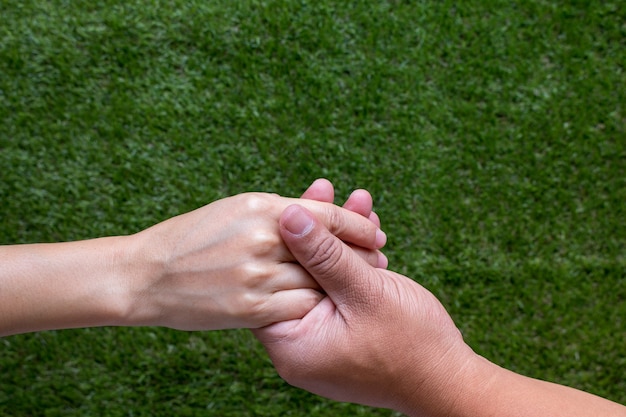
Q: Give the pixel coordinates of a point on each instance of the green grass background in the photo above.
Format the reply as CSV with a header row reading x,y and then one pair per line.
x,y
491,134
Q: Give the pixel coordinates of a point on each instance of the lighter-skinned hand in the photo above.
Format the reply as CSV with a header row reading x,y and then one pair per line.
x,y
225,265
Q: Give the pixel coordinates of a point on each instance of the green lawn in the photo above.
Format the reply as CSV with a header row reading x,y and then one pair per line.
x,y
491,134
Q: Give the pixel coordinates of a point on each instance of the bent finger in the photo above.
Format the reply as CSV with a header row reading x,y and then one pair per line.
x,y
374,219
360,201
290,276
320,190
342,274
348,226
375,258
287,305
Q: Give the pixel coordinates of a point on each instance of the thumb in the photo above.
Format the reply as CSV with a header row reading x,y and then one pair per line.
x,y
342,274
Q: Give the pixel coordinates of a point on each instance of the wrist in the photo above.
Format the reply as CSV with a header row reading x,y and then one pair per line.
x,y
459,391
491,390
112,286
475,388
136,265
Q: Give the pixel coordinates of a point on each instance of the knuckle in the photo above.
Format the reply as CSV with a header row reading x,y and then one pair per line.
x,y
335,221
326,256
253,275
264,241
256,202
342,223
249,307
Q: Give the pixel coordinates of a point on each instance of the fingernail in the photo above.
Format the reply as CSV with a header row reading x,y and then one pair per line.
x,y
383,262
381,239
298,222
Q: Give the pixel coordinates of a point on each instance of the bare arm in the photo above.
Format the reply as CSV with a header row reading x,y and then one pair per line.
x,y
221,266
64,285
495,391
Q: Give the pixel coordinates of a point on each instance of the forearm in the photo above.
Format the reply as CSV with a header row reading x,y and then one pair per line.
x,y
484,389
513,395
63,285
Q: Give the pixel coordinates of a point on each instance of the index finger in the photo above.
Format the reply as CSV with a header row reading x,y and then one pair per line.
x,y
348,226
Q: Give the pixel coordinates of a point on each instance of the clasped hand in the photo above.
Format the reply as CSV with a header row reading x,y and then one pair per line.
x,y
225,265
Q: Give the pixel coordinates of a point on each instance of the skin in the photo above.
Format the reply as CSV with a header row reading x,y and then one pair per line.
x,y
221,266
378,338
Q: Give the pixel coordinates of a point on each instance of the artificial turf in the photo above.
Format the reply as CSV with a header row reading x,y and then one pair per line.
x,y
490,133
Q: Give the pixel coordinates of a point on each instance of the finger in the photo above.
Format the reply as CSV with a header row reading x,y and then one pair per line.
x,y
346,225
280,333
276,331
289,276
375,219
374,258
288,305
383,262
360,201
320,190
343,275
